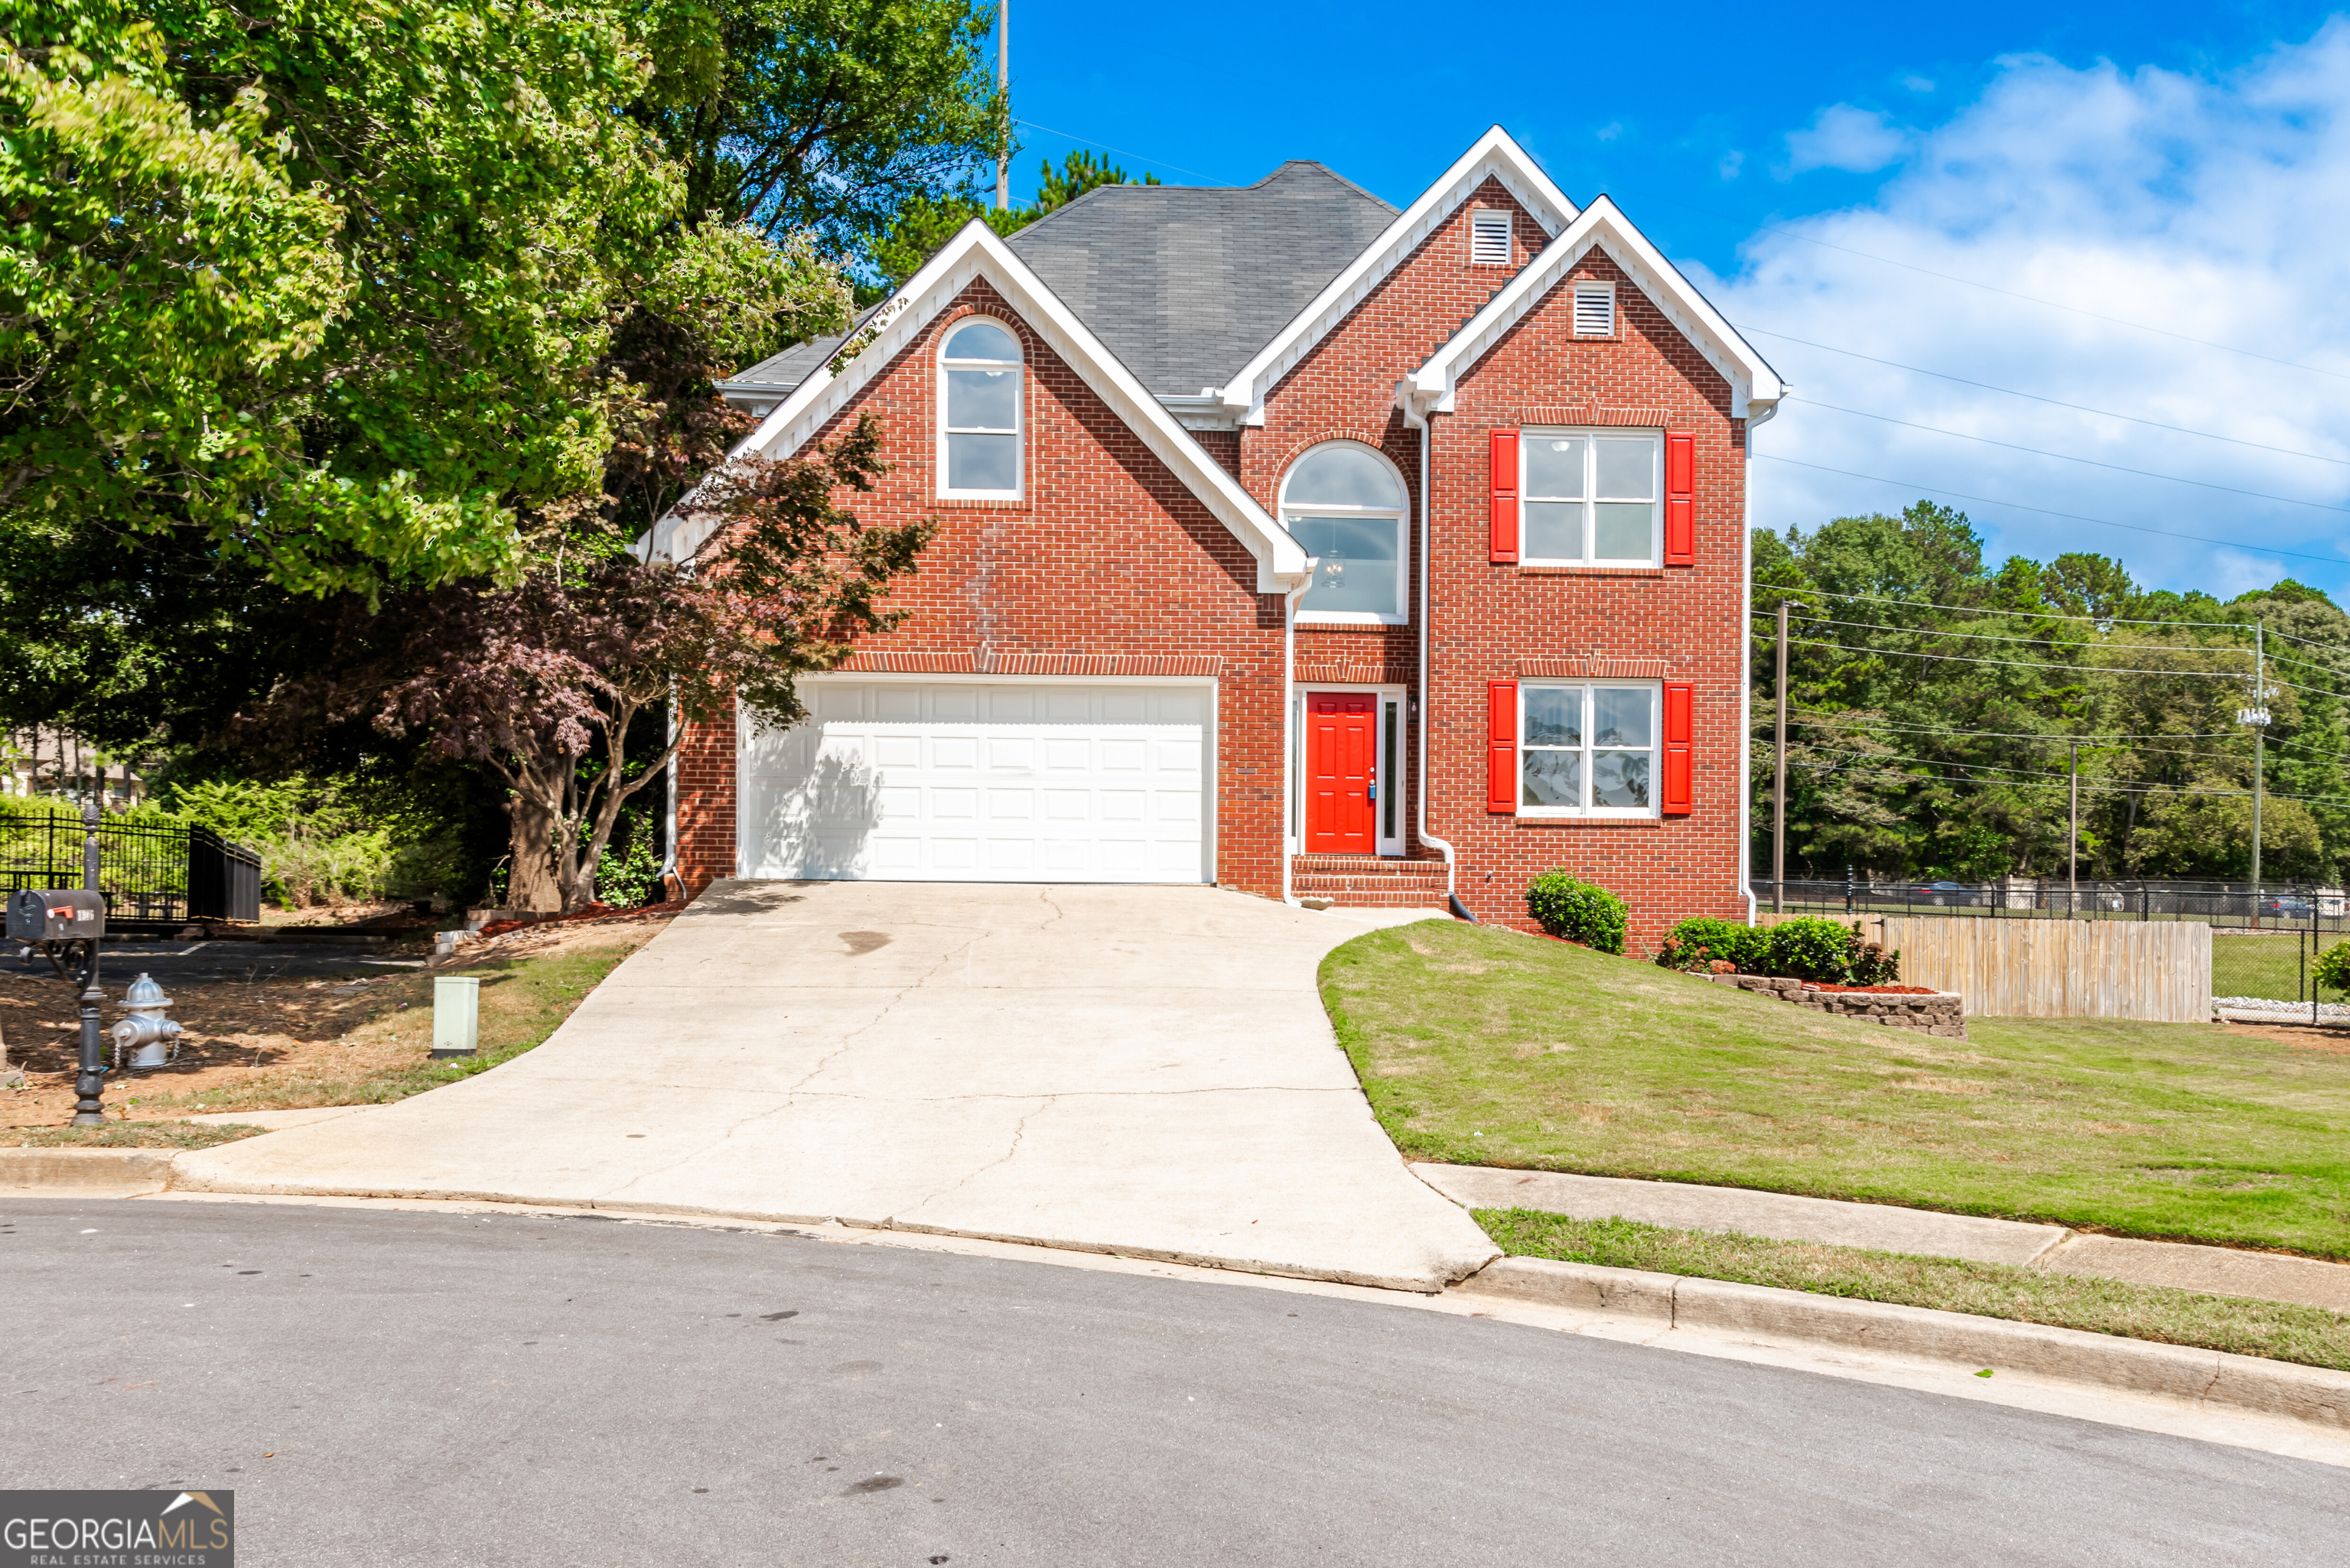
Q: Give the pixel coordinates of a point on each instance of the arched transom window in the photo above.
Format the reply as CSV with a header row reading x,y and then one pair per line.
x,y
1344,502
979,430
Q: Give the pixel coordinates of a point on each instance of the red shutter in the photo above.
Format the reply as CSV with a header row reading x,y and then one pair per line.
x,y
1681,499
1501,746
1504,474
1679,721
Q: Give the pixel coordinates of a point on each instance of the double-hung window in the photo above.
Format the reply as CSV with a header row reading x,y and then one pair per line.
x,y
1344,502
1587,750
980,392
1591,497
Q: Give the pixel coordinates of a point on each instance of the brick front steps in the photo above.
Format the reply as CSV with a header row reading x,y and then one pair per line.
x,y
1369,881
1938,1012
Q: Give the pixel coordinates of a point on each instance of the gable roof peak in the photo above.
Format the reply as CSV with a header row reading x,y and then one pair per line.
x,y
1494,155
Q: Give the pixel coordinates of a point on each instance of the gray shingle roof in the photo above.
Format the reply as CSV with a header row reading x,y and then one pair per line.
x,y
1182,283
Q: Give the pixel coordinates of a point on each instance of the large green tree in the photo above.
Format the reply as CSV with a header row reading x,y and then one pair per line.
x,y
826,117
1937,703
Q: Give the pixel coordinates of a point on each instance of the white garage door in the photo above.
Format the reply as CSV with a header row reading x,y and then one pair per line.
x,y
917,781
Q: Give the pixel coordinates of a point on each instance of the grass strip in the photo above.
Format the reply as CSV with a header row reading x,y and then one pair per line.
x,y
523,1002
2277,1330
130,1135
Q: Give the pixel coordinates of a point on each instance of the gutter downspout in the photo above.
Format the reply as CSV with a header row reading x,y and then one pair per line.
x,y
1426,688
669,789
1746,673
1289,725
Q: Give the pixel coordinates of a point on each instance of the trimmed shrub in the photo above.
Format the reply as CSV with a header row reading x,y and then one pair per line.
x,y
1699,942
1811,950
1578,911
2332,969
1870,963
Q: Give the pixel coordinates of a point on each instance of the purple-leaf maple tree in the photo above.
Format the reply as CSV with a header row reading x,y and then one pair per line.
x,y
541,682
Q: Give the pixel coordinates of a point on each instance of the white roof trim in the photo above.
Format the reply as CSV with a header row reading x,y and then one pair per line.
x,y
976,251
1494,156
1755,386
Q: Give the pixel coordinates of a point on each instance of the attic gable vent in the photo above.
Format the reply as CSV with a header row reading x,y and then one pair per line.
x,y
1488,239
1594,310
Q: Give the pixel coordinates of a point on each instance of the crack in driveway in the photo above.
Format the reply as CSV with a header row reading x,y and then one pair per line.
x,y
1019,1131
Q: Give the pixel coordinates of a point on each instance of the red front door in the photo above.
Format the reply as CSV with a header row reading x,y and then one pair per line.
x,y
1342,770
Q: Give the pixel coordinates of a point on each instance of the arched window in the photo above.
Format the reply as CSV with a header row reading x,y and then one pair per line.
x,y
978,430
1344,502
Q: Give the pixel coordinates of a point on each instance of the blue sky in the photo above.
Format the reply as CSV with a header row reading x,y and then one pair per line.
x,y
2175,167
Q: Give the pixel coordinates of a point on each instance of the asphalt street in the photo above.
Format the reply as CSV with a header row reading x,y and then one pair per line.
x,y
176,965
406,1387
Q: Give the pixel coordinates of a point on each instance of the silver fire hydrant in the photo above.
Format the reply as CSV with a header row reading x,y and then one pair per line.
x,y
151,1038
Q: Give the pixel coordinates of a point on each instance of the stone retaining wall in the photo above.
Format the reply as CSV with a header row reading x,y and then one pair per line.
x,y
1940,1012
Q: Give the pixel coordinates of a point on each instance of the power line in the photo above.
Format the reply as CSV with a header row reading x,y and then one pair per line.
x,y
2069,517
1980,609
2014,734
2068,457
2265,679
2088,786
1122,153
1970,636
2034,396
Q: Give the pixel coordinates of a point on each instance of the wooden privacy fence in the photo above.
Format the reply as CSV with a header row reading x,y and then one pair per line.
x,y
2054,968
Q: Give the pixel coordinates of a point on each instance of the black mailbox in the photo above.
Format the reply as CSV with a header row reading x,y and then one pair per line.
x,y
55,915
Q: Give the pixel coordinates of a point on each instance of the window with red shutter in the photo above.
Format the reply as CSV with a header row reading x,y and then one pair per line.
x,y
1501,746
1679,723
1681,499
1504,475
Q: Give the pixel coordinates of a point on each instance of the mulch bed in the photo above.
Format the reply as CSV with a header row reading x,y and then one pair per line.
x,y
1874,990
590,914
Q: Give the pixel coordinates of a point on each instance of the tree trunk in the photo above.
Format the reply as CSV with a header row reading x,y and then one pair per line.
x,y
530,878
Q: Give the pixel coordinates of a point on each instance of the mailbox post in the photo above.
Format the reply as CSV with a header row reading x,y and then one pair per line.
x,y
67,919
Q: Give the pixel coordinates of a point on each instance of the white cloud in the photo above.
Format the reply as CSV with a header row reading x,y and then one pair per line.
x,y
2209,206
1919,84
1732,162
1857,140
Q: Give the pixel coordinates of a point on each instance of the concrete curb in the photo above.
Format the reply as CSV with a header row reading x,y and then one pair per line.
x,y
2309,1394
21,1168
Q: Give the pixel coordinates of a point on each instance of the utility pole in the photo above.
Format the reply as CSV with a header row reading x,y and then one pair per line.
x,y
2256,716
2073,856
1004,85
1779,780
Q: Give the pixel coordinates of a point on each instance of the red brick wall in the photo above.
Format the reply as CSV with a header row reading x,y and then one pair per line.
x,y
1487,617
1345,389
1107,553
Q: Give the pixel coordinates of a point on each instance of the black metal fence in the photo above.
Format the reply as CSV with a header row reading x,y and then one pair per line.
x,y
152,873
2273,908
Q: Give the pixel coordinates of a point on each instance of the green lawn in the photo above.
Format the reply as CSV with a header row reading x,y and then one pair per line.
x,y
2282,1331
1482,1046
2273,966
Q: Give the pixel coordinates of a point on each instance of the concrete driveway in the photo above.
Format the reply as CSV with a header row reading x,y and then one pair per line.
x,y
1137,1070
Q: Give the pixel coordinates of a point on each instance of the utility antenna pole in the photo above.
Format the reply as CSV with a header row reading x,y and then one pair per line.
x,y
1779,781
1004,85
2260,736
2256,716
2073,856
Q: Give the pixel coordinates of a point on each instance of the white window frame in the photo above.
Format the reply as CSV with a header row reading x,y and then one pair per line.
x,y
1401,615
1589,750
1591,498
1487,216
1391,701
1614,321
1019,431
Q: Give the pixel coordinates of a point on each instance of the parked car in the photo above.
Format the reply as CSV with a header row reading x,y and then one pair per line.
x,y
2284,904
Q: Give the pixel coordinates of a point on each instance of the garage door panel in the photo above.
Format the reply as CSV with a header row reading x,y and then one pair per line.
x,y
912,781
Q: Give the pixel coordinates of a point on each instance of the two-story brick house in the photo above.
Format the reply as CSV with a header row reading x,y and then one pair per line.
x,y
1289,543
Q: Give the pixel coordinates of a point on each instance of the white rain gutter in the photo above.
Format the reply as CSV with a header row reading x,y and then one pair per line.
x,y
1289,726
1746,671
1426,688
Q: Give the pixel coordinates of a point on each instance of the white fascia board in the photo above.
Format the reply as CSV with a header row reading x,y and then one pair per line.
x,y
1755,386
976,251
1495,155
